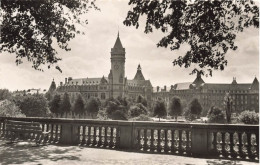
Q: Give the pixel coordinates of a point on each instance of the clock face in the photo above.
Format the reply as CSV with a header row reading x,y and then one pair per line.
x,y
116,66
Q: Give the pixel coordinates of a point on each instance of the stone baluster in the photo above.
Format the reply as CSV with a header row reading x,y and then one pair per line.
x,y
241,153
159,140
138,139
187,142
100,136
51,136
117,137
152,141
223,144
166,147
145,140
105,142
231,139
180,150
56,133
248,146
172,142
83,135
94,136
111,143
214,143
89,135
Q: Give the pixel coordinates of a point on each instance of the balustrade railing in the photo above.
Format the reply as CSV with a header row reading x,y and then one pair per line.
x,y
207,140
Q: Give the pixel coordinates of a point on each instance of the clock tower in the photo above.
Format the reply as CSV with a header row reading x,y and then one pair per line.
x,y
117,73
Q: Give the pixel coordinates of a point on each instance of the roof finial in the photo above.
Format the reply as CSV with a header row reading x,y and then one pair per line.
x,y
52,79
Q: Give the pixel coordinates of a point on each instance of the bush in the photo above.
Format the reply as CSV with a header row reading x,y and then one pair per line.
x,y
137,110
188,115
249,117
216,115
119,115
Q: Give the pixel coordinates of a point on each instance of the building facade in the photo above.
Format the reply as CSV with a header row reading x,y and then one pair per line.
x,y
113,86
244,96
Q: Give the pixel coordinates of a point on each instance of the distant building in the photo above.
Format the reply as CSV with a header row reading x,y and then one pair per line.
x,y
113,86
244,96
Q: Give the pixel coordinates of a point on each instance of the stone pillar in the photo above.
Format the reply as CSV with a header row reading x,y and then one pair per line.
x,y
199,141
69,134
126,135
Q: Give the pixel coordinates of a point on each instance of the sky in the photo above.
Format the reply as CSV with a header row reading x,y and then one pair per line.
x,y
90,55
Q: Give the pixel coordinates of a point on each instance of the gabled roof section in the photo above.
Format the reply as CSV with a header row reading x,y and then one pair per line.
x,y
255,85
139,74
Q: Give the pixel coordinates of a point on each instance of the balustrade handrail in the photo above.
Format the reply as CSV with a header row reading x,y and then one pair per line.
x,y
136,123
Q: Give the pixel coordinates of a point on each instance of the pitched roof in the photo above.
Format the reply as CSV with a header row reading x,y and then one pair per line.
x,y
139,83
139,74
255,84
198,81
118,44
87,81
182,86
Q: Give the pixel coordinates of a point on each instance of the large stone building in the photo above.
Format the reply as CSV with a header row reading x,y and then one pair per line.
x,y
113,86
244,96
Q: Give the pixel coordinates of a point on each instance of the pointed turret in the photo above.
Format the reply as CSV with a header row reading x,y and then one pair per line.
x,y
53,86
234,82
255,85
118,48
198,81
139,74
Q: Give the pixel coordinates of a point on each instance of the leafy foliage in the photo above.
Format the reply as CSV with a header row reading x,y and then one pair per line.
x,y
29,28
216,115
188,115
249,117
116,109
78,107
142,100
4,94
33,105
195,107
9,109
208,27
175,108
137,110
55,104
159,109
92,106
65,105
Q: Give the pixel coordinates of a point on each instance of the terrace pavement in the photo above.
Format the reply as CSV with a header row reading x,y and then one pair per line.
x,y
28,153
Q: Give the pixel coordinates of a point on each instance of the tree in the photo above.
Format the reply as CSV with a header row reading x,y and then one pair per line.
x,y
195,107
116,109
4,94
159,109
28,28
137,110
142,100
65,105
79,105
9,109
215,115
55,104
228,104
33,105
175,108
208,27
92,106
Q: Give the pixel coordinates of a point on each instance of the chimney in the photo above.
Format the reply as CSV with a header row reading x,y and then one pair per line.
x,y
158,88
171,86
60,83
165,88
69,79
65,80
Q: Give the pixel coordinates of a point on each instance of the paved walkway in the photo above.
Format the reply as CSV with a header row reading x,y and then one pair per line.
x,y
26,153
